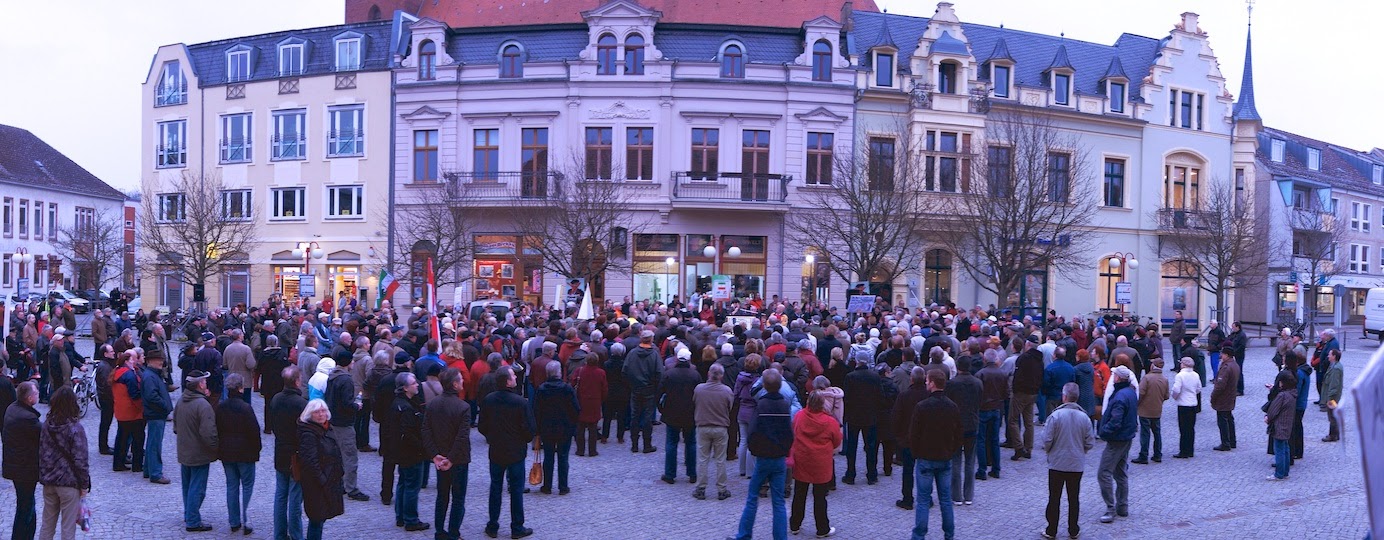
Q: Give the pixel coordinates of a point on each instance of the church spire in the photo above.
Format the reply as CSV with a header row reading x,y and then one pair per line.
x,y
1244,108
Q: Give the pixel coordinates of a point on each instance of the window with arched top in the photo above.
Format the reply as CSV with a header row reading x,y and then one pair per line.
x,y
733,62
605,54
427,60
946,77
821,60
1182,181
511,62
374,13
634,55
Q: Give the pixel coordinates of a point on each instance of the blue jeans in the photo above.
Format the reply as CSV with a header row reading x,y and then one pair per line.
x,y
775,472
871,451
240,485
451,487
512,474
1154,427
194,481
1281,458
315,529
25,517
670,451
988,441
929,471
1042,408
563,452
288,508
1215,368
406,494
642,420
153,449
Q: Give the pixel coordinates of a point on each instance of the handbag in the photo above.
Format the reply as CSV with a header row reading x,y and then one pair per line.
x,y
536,470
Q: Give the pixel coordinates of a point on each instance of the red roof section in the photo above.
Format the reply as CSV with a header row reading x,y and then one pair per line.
x,y
482,13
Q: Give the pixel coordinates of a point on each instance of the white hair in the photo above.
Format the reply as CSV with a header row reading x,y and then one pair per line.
x,y
312,407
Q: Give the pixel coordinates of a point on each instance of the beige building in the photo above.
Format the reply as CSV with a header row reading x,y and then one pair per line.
x,y
296,127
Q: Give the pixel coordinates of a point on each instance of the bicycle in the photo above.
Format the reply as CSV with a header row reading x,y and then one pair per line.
x,y
85,387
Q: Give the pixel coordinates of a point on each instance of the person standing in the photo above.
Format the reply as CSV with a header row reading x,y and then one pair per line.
x,y
157,405
1179,329
1153,391
239,434
1067,439
1027,379
105,400
1279,417
643,371
617,403
240,359
994,391
555,410
965,391
447,438
406,414
1332,383
126,393
863,401
340,395
676,406
19,440
589,382
770,437
283,417
208,360
1223,396
507,423
62,464
816,434
1186,392
712,402
904,405
194,422
1118,425
1304,381
320,468
935,437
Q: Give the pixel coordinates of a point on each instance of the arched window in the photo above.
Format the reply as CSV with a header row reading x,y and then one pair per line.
x,y
1182,182
946,77
821,61
427,60
937,277
511,62
733,62
605,55
1109,275
634,55
374,14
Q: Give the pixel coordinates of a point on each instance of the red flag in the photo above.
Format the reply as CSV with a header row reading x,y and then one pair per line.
x,y
431,299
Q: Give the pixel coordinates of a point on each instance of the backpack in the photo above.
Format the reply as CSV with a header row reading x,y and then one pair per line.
x,y
503,346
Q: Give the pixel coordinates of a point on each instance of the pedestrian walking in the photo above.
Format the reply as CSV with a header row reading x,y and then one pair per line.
x,y
555,410
1117,428
194,422
19,460
63,467
1186,392
1067,439
283,416
935,437
1223,397
320,468
1153,391
816,434
770,436
508,425
712,404
447,438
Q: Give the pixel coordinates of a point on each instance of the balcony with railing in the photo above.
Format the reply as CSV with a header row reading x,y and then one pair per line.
x,y
171,93
503,186
730,187
235,150
345,143
288,147
1184,220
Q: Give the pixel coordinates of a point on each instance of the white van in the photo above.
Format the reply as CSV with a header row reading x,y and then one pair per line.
x,y
1374,313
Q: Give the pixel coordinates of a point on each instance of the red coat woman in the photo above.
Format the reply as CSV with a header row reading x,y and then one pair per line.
x,y
816,435
590,382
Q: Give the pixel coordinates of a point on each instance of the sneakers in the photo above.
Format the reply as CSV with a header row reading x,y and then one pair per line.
x,y
1275,478
699,494
794,532
1047,535
968,503
160,480
830,531
358,496
669,480
1108,517
723,495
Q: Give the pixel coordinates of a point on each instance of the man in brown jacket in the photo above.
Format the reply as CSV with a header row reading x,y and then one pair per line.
x,y
1223,402
1153,391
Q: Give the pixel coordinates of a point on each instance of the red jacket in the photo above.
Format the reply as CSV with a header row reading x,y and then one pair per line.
x,y
126,388
471,386
815,438
565,350
590,382
814,367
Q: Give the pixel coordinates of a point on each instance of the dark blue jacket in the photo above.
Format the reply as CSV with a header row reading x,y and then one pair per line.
x,y
154,393
1121,419
1057,374
771,430
1304,377
555,409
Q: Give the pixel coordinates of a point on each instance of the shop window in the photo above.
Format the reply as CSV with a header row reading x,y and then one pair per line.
x,y
1108,276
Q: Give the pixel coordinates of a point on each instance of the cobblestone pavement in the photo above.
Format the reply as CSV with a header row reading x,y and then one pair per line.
x,y
619,495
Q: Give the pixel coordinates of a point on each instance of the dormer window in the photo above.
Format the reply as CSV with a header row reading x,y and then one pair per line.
x,y
634,55
605,55
172,87
1276,150
1062,88
348,54
290,59
427,60
1314,159
946,77
1115,90
884,69
1378,175
238,65
1000,77
821,61
732,62
511,62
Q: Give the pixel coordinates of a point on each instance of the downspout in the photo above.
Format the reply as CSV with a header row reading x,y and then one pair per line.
x,y
393,124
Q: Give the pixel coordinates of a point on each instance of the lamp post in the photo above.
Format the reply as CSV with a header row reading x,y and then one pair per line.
x,y
308,251
1128,260
22,256
668,278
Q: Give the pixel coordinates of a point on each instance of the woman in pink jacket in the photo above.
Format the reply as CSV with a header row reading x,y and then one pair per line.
x,y
816,434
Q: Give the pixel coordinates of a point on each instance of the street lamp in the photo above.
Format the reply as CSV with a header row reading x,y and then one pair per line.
x,y
668,278
308,251
22,256
1125,259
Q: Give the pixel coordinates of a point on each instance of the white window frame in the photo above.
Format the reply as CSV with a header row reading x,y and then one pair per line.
x,y
1198,118
22,216
230,123
277,209
7,275
1365,218
38,220
166,202
170,148
246,204
52,221
1314,159
1057,93
242,275
8,211
238,58
332,211
1008,83
1276,150
345,62
286,52
172,88
1378,177
351,145
893,68
1360,258
1354,216
1381,259
1117,105
278,145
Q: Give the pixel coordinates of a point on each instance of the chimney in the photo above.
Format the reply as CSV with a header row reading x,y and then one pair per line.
x,y
945,13
1189,23
846,20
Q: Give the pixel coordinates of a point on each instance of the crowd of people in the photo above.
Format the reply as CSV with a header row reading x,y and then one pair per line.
x,y
936,391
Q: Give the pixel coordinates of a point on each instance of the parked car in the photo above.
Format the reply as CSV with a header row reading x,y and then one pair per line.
x,y
62,295
134,306
96,297
497,307
30,297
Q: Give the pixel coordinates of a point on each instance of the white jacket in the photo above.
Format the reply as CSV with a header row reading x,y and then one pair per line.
x,y
1186,388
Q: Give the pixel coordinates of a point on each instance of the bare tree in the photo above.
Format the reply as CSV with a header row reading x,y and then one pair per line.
x,y
867,219
437,219
94,248
1318,237
1222,243
1033,212
191,231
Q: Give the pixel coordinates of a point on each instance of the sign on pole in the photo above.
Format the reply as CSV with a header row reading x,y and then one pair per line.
x,y
720,287
1124,293
23,290
307,285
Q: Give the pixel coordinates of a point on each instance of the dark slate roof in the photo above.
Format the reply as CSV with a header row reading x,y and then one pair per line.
x,y
948,44
1341,167
1060,60
1000,52
1244,108
1032,53
1116,70
209,59
693,43
25,159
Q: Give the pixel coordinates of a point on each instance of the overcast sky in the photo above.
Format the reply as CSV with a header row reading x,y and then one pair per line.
x,y
73,68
